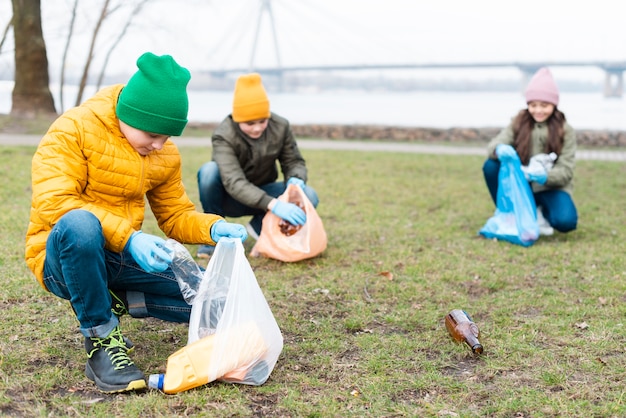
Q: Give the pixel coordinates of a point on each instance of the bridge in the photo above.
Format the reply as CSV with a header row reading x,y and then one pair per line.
x,y
613,83
613,71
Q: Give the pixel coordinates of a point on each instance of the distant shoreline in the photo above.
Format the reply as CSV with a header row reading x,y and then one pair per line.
x,y
380,133
585,137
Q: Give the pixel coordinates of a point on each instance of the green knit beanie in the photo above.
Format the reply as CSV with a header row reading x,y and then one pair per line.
x,y
155,98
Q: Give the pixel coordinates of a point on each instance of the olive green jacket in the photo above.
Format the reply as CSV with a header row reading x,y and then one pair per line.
x,y
246,163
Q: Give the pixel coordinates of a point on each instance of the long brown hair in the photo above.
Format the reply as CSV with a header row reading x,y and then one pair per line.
x,y
522,129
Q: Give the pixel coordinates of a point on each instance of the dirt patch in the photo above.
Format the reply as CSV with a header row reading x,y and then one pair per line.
x,y
464,368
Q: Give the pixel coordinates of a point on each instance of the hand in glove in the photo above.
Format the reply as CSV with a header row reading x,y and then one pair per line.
x,y
289,212
150,252
296,181
545,160
538,167
506,152
221,229
540,175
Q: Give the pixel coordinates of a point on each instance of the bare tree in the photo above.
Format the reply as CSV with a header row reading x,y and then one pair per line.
x,y
31,91
121,35
83,81
5,33
65,51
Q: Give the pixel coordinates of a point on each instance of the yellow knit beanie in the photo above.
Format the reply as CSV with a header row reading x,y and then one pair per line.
x,y
250,100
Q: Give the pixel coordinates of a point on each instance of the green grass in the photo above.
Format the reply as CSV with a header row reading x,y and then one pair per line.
x,y
355,342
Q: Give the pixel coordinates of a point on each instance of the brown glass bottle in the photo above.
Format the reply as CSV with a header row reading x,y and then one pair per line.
x,y
286,227
463,329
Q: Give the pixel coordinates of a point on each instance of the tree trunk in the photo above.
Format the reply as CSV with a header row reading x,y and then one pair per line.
x,y
31,92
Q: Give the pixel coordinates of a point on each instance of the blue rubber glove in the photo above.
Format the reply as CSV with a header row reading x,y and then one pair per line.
x,y
538,177
506,152
296,181
289,212
222,229
150,252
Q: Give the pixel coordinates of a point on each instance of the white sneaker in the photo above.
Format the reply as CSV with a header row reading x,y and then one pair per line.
x,y
251,232
544,226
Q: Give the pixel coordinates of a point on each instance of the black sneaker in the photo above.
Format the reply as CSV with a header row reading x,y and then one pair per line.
x,y
130,347
109,365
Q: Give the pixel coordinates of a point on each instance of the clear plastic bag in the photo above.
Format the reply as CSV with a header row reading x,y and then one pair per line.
x,y
233,336
231,309
515,217
213,292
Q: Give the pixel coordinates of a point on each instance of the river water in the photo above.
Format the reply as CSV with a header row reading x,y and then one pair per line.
x,y
409,109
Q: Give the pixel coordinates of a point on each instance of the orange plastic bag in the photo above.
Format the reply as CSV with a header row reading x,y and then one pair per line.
x,y
278,241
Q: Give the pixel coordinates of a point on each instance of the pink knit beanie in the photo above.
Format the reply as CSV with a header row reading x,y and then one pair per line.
x,y
542,88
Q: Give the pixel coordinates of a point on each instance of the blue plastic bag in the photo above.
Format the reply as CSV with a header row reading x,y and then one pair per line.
x,y
515,218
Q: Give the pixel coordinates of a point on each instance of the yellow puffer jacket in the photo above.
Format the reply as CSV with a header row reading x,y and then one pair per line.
x,y
84,162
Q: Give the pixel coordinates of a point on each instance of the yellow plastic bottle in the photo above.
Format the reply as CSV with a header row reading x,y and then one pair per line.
x,y
227,355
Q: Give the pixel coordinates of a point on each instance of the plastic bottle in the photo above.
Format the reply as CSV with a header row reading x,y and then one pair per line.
x,y
234,355
540,163
463,329
188,273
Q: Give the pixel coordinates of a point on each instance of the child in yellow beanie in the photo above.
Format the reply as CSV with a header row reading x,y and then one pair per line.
x,y
91,174
241,179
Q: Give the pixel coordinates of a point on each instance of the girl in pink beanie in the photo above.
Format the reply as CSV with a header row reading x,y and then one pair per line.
x,y
540,137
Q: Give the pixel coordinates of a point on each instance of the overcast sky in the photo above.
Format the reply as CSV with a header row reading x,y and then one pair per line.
x,y
212,34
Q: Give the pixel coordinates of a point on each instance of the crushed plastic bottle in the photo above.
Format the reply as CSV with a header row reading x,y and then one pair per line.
x,y
188,273
540,163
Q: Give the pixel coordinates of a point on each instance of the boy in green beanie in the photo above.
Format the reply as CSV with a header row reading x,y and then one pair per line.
x,y
91,174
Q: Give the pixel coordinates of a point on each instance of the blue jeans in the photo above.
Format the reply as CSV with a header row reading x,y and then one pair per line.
x,y
215,199
557,206
78,268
